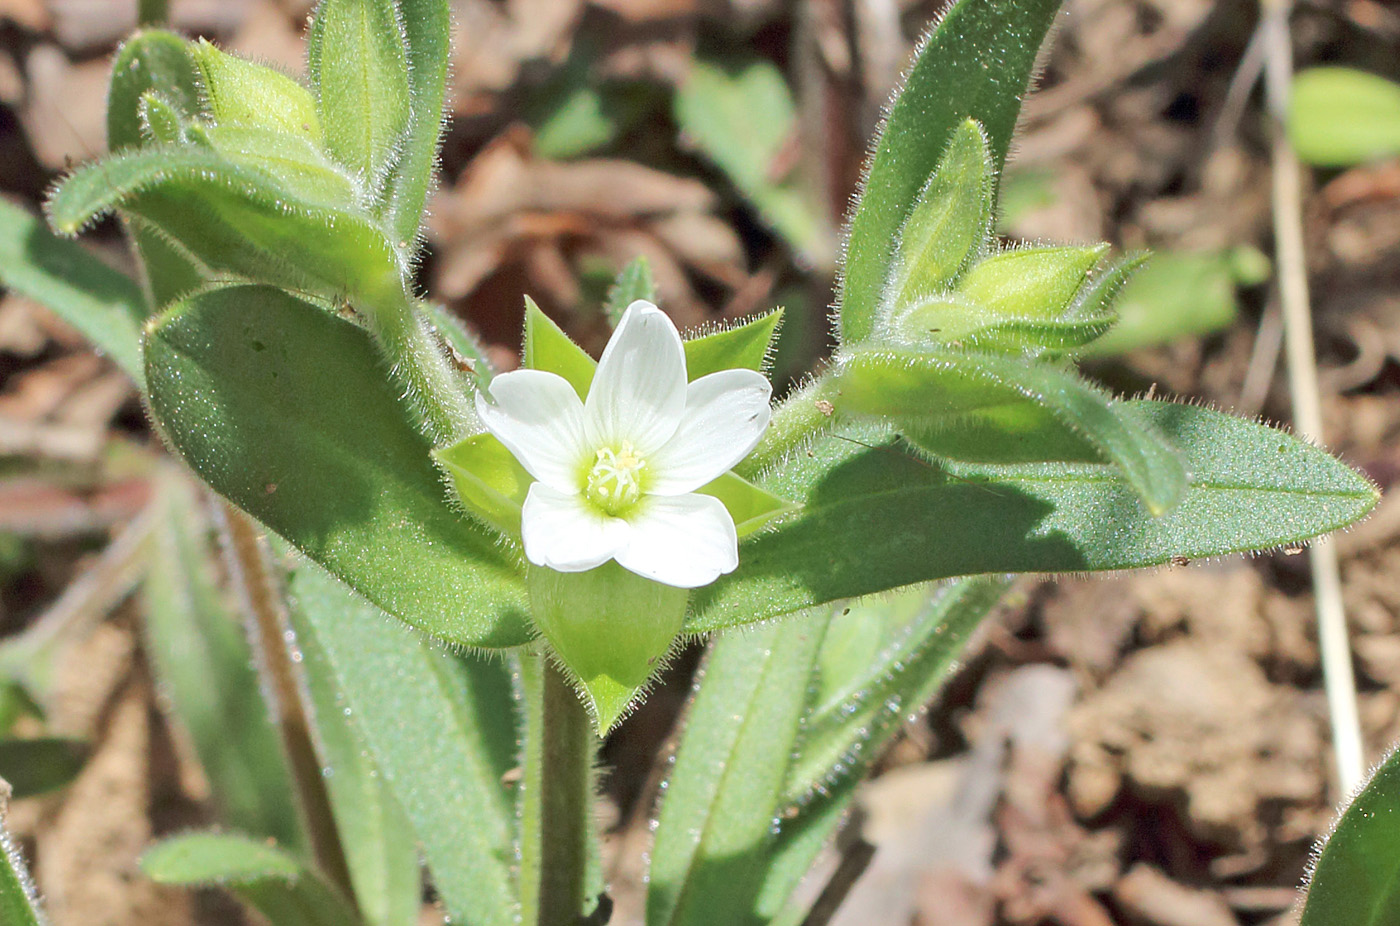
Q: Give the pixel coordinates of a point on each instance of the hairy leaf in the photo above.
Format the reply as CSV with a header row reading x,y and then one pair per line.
x,y
280,407
875,518
975,65
1356,877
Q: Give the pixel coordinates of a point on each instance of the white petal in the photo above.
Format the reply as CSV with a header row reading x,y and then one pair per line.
x,y
566,533
725,415
686,541
539,417
638,392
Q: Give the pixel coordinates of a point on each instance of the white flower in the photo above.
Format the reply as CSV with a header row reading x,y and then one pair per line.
x,y
617,473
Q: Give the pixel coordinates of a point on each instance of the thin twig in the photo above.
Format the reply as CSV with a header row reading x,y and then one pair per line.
x,y
269,628
1338,677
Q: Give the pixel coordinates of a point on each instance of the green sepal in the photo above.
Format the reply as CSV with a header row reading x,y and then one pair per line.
x,y
949,223
152,60
932,389
547,347
489,480
1036,336
750,506
633,283
161,122
356,57
1031,282
744,346
610,628
241,92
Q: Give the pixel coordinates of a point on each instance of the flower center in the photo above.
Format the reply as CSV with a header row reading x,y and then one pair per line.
x,y
615,480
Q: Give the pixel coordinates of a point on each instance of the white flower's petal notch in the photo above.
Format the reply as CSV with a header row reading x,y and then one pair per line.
x,y
539,417
684,541
638,392
725,415
567,534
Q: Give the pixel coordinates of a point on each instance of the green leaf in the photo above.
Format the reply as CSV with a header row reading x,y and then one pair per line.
x,y
357,58
949,222
441,730
19,903
277,405
881,660
294,161
204,666
168,270
151,60
236,219
741,115
975,65
467,351
427,28
1338,117
40,764
380,849
161,123
1356,877
547,347
933,390
746,346
874,518
633,283
263,876
106,306
239,92
1174,295
716,822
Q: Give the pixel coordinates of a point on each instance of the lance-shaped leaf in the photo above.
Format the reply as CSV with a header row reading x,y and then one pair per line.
x,y
975,65
875,518
381,850
277,405
441,730
263,876
1338,116
949,223
150,61
1356,876
932,390
106,306
237,219
880,661
356,54
205,669
294,161
19,903
715,829
427,28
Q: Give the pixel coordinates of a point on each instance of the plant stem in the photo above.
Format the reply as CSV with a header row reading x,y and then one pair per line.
x,y
418,362
1338,677
268,629
557,797
805,414
152,12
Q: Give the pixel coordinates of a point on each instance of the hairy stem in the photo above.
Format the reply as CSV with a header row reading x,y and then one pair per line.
x,y
262,604
557,797
437,394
